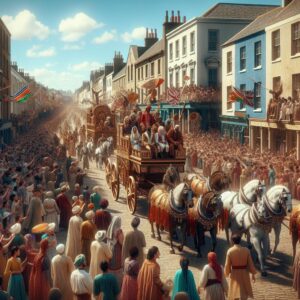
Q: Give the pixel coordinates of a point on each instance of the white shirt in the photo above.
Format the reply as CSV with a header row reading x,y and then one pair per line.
x,y
81,282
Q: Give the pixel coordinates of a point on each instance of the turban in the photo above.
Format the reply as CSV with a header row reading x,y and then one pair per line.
x,y
103,203
60,248
100,235
79,260
90,215
76,210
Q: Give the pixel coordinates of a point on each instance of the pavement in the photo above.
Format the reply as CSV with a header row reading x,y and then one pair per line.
x,y
277,285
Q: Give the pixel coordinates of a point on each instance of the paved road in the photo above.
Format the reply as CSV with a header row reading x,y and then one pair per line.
x,y
276,286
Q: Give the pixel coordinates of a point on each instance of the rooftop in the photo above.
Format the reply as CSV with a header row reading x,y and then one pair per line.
x,y
237,11
157,48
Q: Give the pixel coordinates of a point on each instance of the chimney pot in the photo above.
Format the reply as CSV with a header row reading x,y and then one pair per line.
x,y
155,33
167,17
172,17
178,13
184,19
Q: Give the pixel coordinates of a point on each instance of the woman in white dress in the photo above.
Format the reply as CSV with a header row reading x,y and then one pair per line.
x,y
213,280
161,140
135,138
52,211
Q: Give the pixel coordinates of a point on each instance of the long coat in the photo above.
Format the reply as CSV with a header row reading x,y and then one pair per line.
x,y
61,268
149,283
35,213
73,244
87,234
240,285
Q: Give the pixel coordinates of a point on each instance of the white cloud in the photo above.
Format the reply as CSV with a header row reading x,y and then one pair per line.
x,y
74,28
106,37
36,51
85,66
58,80
25,26
136,34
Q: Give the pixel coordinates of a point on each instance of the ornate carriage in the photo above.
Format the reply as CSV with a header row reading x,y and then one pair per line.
x,y
97,124
136,170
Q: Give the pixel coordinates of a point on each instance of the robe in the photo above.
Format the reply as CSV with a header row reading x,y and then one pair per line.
x,y
149,283
61,268
102,219
134,238
129,285
240,285
52,211
73,243
87,235
35,213
99,252
95,199
65,207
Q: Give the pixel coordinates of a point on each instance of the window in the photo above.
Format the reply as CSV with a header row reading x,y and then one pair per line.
x,y
128,73
131,75
177,49
276,83
183,75
192,76
192,41
158,66
213,40
146,72
296,86
212,77
142,72
242,89
184,45
177,79
229,62
257,54
229,104
295,38
275,44
171,51
139,73
243,58
257,95
152,69
171,79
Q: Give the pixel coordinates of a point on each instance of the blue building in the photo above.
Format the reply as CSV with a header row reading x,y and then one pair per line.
x,y
244,67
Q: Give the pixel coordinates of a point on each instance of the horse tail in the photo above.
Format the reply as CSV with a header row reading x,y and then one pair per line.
x,y
223,219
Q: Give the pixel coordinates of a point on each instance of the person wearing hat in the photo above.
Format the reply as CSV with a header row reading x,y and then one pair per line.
x,y
50,235
35,211
99,252
95,197
87,234
51,209
65,207
61,268
73,243
81,281
134,238
103,217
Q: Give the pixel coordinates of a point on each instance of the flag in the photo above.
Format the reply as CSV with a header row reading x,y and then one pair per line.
x,y
23,95
237,95
174,95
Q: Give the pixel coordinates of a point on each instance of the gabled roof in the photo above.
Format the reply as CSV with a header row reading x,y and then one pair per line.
x,y
137,51
120,74
272,17
237,11
156,49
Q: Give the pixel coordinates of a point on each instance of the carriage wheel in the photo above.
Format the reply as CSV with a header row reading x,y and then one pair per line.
x,y
108,173
115,183
131,195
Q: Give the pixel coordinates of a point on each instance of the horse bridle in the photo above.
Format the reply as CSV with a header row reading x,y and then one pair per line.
x,y
271,210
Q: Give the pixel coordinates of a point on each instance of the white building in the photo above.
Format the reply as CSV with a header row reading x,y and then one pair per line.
x,y
194,48
109,88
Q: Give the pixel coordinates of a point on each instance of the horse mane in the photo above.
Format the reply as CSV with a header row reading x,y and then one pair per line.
x,y
206,198
250,185
219,181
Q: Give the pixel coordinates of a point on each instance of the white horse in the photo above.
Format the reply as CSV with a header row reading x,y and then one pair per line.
x,y
247,195
260,218
104,151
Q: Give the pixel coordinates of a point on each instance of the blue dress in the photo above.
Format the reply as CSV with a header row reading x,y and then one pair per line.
x,y
182,284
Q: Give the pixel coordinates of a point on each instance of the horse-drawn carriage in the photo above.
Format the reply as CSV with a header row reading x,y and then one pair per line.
x,y
136,170
100,123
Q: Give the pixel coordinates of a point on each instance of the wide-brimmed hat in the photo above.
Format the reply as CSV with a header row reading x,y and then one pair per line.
x,y
90,215
15,229
60,248
100,235
76,210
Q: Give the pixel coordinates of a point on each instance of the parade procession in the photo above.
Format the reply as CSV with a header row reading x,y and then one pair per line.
x,y
146,155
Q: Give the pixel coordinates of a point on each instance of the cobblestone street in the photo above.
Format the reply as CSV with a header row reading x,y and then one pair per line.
x,y
277,285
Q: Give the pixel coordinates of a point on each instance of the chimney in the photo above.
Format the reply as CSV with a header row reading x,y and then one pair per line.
x,y
146,32
167,17
151,39
178,16
172,17
184,19
286,2
156,33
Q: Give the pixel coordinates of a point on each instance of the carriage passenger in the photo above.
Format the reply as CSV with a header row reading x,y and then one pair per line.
x,y
126,127
161,141
135,138
148,140
175,140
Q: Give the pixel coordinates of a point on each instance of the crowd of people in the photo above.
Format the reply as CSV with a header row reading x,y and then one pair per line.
x,y
213,152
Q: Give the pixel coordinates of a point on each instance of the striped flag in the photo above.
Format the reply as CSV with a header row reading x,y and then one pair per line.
x,y
23,95
237,95
173,96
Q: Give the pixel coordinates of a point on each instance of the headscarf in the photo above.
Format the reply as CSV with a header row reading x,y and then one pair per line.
x,y
161,130
41,255
113,227
134,136
212,261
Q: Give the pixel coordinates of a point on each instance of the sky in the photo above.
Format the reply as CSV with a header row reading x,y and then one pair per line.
x,y
60,41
